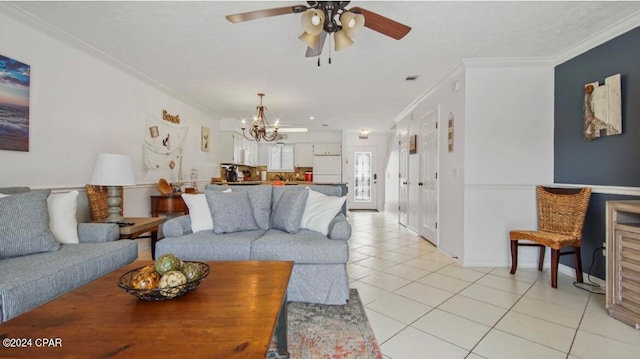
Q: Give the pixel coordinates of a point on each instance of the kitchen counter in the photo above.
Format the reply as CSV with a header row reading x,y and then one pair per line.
x,y
290,183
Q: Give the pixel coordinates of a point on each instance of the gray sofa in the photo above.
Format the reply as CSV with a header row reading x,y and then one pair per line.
x,y
27,281
319,273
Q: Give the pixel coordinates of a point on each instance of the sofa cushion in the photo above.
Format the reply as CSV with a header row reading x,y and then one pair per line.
x,y
231,212
199,211
260,198
288,213
304,247
62,216
29,281
320,211
24,224
324,189
207,246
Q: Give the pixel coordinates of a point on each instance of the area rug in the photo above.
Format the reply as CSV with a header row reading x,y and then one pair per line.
x,y
329,331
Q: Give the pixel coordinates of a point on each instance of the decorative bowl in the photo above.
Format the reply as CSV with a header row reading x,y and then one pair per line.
x,y
160,293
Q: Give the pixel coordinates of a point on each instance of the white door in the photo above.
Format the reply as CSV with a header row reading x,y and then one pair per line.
x,y
428,151
364,178
403,175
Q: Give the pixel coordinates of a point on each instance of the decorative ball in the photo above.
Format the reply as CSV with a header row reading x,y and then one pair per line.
x,y
170,281
191,270
167,263
146,280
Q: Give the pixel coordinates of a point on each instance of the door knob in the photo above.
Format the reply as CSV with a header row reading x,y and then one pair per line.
x,y
420,183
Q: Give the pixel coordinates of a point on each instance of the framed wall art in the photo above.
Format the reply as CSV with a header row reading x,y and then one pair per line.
x,y
413,145
15,81
204,143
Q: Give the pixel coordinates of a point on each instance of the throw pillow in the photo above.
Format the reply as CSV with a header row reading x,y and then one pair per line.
x,y
2,195
288,213
231,212
320,211
199,211
62,216
24,225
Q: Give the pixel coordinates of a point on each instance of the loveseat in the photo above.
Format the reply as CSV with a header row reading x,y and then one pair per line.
x,y
277,231
38,261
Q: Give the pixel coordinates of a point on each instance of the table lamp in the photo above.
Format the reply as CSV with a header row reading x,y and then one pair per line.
x,y
113,171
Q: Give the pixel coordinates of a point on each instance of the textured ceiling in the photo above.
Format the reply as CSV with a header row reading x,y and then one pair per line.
x,y
191,49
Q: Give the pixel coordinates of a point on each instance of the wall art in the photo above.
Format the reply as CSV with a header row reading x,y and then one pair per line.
x,y
413,144
15,81
602,108
204,142
450,132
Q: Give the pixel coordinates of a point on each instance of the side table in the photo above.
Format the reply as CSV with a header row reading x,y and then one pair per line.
x,y
142,225
168,204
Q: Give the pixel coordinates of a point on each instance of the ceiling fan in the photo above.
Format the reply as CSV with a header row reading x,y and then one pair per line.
x,y
320,18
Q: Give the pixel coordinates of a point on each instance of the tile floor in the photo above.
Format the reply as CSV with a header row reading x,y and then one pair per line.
x,y
422,304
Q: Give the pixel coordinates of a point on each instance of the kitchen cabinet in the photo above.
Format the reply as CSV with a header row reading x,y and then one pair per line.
x,y
226,147
304,154
327,149
234,148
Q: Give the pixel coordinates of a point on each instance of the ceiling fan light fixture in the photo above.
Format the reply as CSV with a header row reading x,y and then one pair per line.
x,y
341,40
313,21
309,40
352,23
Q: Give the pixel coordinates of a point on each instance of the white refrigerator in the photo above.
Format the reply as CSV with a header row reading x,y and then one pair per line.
x,y
327,169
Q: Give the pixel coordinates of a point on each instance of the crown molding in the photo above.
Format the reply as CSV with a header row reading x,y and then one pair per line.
x,y
625,25
35,23
508,62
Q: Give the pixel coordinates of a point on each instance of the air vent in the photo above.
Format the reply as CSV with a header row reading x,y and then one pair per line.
x,y
411,78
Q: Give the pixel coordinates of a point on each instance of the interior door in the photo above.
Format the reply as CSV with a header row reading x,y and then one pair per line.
x,y
364,178
428,182
403,197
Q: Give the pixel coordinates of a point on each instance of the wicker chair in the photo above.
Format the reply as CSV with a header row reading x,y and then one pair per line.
x,y
561,213
98,206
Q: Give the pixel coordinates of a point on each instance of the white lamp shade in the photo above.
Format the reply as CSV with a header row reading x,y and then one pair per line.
x,y
112,170
342,40
308,23
352,23
310,40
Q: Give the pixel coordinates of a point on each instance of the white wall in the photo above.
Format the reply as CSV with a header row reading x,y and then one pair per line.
x,y
508,150
446,100
81,106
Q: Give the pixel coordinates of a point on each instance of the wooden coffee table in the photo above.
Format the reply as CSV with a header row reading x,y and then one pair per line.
x,y
142,225
232,314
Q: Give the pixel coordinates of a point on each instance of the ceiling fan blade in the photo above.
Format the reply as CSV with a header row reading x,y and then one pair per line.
x,y
318,50
382,24
259,14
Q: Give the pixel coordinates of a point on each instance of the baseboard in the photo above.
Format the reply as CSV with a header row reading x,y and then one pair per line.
x,y
564,269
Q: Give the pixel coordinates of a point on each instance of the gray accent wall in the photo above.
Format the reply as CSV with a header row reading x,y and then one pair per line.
x,y
605,161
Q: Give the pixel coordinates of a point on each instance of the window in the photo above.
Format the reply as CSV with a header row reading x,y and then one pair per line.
x,y
280,158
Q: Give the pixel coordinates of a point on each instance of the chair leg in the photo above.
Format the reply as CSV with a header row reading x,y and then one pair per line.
x,y
578,265
541,258
514,256
555,259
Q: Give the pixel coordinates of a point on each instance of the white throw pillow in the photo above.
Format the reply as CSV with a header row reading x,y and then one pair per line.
x,y
62,216
320,211
199,211
2,195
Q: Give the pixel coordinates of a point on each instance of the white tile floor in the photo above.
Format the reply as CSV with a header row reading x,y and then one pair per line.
x,y
422,304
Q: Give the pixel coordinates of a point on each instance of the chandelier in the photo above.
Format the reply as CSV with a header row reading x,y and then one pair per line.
x,y
260,129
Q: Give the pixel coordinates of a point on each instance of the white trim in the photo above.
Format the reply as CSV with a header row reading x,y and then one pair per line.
x,y
35,23
625,25
618,190
571,272
502,62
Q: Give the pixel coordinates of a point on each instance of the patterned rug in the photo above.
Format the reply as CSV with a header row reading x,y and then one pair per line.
x,y
329,331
